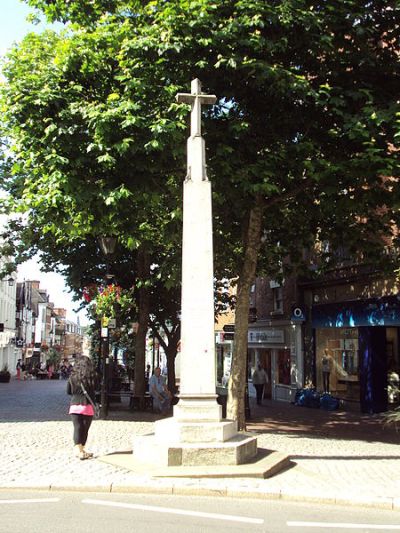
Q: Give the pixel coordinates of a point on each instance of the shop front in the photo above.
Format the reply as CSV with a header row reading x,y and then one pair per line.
x,y
277,348
357,351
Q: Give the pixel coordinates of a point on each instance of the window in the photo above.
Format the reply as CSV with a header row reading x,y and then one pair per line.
x,y
277,295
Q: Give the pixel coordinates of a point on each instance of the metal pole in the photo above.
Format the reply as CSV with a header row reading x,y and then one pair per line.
x,y
104,359
154,354
247,414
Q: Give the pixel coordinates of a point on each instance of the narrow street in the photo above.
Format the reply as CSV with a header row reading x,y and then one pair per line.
x,y
119,513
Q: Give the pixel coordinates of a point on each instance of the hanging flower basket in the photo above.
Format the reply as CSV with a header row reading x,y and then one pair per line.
x,y
108,301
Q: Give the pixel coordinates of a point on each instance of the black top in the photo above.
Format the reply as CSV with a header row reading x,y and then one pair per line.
x,y
78,396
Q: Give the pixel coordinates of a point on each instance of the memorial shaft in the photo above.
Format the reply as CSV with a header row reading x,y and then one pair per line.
x,y
197,321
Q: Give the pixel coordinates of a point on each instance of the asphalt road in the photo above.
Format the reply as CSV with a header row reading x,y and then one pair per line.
x,y
59,512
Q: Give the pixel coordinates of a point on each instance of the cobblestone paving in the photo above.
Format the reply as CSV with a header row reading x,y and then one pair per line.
x,y
340,455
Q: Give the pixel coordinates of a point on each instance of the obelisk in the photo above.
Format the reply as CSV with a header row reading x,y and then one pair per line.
x,y
196,434
198,378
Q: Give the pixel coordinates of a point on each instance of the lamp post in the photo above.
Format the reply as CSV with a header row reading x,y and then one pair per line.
x,y
107,246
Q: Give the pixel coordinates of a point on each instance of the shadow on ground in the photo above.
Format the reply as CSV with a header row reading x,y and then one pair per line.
x,y
288,419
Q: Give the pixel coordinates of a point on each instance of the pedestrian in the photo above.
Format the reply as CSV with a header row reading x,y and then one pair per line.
x,y
23,371
82,386
18,368
159,392
260,379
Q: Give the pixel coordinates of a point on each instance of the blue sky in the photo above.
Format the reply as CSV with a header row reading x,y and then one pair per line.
x,y
13,27
13,24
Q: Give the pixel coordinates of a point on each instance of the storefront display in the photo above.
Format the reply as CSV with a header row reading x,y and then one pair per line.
x,y
365,357
342,348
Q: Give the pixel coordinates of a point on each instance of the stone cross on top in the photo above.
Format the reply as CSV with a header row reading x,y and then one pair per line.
x,y
196,99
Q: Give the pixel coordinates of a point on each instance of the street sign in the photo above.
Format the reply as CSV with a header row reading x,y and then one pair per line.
x,y
112,323
229,328
104,332
229,336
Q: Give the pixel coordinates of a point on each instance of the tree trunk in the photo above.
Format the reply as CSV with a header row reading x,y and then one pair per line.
x,y
143,274
170,349
238,378
171,355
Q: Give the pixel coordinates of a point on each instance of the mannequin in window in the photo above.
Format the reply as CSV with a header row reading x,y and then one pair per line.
x,y
326,363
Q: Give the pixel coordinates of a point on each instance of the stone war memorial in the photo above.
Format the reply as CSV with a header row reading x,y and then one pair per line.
x,y
196,440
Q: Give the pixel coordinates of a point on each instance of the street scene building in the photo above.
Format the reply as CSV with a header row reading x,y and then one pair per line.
x,y
351,314
41,329
218,184
8,353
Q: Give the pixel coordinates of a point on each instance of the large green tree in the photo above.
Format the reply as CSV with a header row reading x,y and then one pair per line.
x,y
304,129
89,154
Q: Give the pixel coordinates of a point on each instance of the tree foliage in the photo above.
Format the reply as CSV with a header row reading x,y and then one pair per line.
x,y
305,129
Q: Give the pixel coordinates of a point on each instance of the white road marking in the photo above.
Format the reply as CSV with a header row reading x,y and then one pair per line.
x,y
32,500
339,525
169,510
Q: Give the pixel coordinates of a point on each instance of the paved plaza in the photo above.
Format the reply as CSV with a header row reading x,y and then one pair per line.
x,y
336,456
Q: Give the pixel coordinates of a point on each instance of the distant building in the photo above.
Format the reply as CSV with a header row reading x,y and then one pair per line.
x,y
41,326
8,353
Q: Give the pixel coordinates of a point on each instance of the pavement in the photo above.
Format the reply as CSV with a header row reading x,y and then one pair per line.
x,y
340,457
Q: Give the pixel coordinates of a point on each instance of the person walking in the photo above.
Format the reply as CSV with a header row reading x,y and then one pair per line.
x,y
260,379
82,386
18,368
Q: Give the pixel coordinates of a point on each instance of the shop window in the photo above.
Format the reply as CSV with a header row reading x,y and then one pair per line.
x,y
340,345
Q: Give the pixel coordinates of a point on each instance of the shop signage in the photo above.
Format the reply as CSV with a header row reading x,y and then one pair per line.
x,y
270,336
384,311
298,314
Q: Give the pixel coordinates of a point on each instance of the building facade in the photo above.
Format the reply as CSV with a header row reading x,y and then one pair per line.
x,y
275,336
354,319
8,351
41,326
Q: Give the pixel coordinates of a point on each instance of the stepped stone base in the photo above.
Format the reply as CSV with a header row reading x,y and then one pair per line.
x,y
266,464
239,449
171,430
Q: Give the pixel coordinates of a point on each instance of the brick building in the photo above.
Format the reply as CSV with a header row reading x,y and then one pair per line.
x,y
351,314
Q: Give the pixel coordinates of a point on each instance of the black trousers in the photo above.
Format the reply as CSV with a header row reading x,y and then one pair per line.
x,y
325,379
259,393
81,428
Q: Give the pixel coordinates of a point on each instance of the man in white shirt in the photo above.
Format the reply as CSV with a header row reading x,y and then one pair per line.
x,y
159,392
260,379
